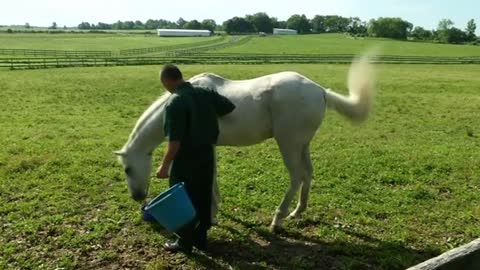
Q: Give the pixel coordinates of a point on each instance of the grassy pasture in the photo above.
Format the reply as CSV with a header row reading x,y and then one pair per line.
x,y
109,42
393,192
342,44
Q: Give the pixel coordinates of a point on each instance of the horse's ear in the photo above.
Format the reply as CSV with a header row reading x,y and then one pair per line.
x,y
119,153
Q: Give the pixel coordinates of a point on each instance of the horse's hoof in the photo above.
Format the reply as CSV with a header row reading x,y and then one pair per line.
x,y
294,215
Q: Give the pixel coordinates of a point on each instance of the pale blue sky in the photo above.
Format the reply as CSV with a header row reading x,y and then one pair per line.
x,y
425,13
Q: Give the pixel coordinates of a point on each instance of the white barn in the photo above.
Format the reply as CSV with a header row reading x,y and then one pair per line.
x,y
279,31
183,33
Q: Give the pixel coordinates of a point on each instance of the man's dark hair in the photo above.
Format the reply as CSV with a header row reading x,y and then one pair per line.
x,y
171,72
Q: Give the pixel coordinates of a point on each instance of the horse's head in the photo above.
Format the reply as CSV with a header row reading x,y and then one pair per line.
x,y
137,169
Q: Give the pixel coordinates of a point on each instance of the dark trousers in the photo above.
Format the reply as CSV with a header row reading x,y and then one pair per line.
x,y
194,165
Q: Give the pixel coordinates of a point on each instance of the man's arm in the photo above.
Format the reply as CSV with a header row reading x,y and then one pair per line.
x,y
172,150
223,105
175,128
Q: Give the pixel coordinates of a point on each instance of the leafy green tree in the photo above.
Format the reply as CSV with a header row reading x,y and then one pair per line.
x,y
357,26
194,24
209,24
336,24
318,24
27,25
118,25
299,23
181,22
53,26
261,21
138,25
420,33
389,28
456,36
471,28
84,25
238,25
449,34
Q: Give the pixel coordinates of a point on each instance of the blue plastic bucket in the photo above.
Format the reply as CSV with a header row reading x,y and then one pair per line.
x,y
172,208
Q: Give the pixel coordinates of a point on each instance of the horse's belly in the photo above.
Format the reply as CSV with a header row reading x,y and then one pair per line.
x,y
247,125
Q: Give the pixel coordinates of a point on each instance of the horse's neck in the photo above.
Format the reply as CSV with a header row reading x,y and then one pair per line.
x,y
149,136
148,133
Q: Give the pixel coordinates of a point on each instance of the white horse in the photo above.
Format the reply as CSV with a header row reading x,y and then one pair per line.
x,y
286,106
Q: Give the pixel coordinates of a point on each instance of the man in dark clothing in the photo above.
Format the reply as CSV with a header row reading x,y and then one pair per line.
x,y
191,125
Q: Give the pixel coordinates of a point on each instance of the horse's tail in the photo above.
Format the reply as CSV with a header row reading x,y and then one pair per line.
x,y
357,105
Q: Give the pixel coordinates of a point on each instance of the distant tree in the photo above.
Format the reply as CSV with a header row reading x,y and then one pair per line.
x,y
238,25
209,24
53,26
84,25
194,24
278,24
389,27
128,25
64,27
151,24
9,31
101,25
445,24
299,23
357,26
449,34
181,22
420,33
456,36
336,24
471,28
318,24
117,25
27,25
261,21
138,25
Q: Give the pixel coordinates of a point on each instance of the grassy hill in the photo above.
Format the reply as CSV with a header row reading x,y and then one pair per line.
x,y
343,44
84,41
386,195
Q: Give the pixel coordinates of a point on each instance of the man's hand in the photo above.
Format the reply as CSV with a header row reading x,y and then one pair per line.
x,y
172,150
162,172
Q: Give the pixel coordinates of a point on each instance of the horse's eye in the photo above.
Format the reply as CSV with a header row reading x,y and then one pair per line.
x,y
128,170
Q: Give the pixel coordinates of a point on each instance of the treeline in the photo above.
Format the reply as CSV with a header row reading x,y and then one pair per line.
x,y
151,24
395,28
261,22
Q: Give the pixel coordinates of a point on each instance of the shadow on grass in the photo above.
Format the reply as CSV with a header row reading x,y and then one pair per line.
x,y
261,249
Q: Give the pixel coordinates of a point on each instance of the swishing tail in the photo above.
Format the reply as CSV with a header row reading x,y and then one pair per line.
x,y
361,82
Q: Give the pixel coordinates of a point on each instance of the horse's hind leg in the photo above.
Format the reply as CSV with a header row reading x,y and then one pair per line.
x,y
307,180
292,157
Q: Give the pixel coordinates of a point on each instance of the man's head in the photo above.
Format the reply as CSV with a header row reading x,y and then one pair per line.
x,y
171,77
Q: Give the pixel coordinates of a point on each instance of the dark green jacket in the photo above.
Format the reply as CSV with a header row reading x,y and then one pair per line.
x,y
192,115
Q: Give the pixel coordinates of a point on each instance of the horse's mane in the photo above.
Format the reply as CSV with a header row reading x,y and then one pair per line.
x,y
147,115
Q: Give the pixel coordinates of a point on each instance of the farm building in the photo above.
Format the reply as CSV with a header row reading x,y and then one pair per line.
x,y
278,31
182,33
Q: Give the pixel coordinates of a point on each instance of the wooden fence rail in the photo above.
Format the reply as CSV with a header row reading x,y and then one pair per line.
x,y
211,58
138,51
32,52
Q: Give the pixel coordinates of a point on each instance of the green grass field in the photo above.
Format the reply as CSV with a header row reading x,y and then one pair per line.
x,y
386,195
342,44
109,42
